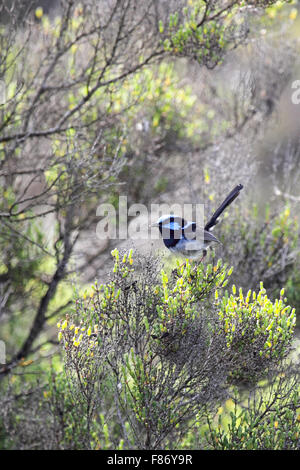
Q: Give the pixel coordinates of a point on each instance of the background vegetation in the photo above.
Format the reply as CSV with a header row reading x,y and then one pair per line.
x,y
160,101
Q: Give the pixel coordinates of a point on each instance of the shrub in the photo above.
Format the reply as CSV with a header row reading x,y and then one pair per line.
x,y
167,346
270,419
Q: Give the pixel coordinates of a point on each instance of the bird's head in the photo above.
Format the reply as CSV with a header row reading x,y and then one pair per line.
x,y
170,225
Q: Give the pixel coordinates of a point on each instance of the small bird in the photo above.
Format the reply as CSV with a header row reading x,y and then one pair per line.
x,y
181,237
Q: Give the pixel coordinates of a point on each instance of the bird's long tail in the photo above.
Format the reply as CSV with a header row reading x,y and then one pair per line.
x,y
229,199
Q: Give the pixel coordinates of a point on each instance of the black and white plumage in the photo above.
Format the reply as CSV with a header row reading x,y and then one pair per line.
x,y
184,238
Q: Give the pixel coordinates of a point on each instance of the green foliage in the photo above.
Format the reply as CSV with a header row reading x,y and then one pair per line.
x,y
206,38
67,398
160,99
205,30
271,420
266,247
167,344
254,325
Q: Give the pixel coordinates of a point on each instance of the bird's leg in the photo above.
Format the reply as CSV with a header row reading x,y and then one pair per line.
x,y
174,271
204,254
184,263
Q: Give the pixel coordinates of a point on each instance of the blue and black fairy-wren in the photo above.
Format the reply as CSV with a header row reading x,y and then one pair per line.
x,y
180,236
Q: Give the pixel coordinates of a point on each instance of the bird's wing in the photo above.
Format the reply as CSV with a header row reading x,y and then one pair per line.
x,y
192,232
229,199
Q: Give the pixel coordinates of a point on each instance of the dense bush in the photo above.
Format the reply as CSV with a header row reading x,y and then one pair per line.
x,y
150,353
268,419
